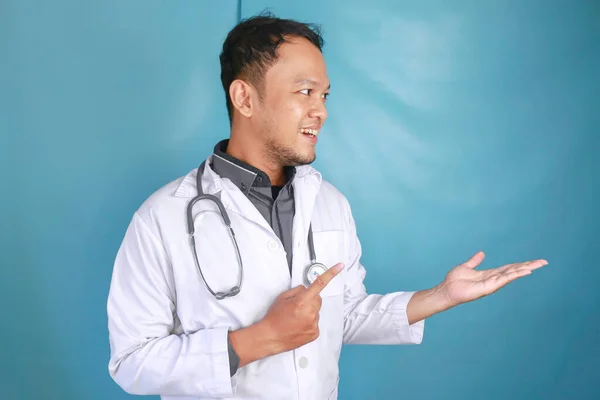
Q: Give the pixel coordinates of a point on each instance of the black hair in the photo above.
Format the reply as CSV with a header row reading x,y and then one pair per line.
x,y
251,48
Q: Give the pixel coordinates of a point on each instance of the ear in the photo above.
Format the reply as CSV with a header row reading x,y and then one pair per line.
x,y
241,97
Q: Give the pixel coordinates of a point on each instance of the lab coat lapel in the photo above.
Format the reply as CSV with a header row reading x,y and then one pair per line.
x,y
236,201
232,197
306,187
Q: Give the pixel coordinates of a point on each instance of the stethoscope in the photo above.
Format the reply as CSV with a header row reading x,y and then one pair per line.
x,y
313,270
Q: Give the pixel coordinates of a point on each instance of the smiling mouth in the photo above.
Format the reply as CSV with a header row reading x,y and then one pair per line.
x,y
310,132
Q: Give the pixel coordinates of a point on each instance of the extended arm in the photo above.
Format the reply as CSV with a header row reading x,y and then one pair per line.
x,y
398,318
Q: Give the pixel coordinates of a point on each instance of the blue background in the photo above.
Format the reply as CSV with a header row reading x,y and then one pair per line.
x,y
454,126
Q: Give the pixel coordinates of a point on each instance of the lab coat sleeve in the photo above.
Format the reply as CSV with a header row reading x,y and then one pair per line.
x,y
374,318
146,356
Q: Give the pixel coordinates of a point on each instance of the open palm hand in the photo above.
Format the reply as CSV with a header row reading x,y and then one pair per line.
x,y
464,283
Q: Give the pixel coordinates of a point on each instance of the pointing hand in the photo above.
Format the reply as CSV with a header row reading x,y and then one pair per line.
x,y
294,316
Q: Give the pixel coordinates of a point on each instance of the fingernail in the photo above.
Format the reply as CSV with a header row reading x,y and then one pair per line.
x,y
339,267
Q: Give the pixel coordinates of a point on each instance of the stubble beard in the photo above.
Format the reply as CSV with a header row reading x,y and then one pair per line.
x,y
282,154
286,156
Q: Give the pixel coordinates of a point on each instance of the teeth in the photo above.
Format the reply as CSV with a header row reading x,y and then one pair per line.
x,y
313,132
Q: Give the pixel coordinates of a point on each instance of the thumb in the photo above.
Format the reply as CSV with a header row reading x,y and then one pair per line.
x,y
475,260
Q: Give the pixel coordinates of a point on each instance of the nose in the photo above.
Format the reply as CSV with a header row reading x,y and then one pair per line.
x,y
319,111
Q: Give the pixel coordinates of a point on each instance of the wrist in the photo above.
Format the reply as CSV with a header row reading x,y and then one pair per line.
x,y
440,297
426,303
254,342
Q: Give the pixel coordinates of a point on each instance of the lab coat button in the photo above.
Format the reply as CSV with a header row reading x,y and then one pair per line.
x,y
303,362
272,245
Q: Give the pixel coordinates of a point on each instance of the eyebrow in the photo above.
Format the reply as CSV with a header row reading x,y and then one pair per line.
x,y
302,81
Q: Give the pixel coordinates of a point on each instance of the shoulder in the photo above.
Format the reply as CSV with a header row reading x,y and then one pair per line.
x,y
332,207
168,201
327,190
332,193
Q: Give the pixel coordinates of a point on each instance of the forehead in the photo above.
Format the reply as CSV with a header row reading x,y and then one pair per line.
x,y
298,59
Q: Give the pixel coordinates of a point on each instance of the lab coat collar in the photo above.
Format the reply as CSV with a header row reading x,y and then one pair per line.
x,y
306,188
306,184
211,182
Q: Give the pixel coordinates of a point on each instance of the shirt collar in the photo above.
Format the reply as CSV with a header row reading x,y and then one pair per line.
x,y
212,183
243,175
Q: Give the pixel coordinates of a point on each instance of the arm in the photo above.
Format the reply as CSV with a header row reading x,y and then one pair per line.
x,y
148,356
377,318
399,317
425,303
253,343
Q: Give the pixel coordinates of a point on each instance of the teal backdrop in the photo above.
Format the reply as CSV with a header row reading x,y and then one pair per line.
x,y
454,127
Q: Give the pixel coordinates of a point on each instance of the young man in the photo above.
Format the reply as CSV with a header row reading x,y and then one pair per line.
x,y
239,316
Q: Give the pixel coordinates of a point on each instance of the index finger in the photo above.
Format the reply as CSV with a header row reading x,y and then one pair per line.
x,y
322,280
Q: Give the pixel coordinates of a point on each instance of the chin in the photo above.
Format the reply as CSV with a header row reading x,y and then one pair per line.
x,y
297,159
306,159
292,156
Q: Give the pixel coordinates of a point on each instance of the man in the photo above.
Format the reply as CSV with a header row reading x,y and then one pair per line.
x,y
239,316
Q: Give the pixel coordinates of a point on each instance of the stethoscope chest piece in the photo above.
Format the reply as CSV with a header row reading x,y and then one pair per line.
x,y
314,270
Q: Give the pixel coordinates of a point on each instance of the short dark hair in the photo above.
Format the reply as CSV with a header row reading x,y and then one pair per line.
x,y
251,48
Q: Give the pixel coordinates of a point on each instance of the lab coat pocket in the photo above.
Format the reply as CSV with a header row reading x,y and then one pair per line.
x,y
329,250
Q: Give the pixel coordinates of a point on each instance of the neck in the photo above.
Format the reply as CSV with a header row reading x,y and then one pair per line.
x,y
245,149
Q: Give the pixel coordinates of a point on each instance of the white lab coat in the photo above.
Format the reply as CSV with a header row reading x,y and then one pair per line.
x,y
168,334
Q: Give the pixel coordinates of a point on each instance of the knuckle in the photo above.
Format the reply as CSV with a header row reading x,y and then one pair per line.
x,y
299,307
322,280
316,306
298,291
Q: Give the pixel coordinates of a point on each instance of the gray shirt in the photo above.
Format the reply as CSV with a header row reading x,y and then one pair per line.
x,y
275,203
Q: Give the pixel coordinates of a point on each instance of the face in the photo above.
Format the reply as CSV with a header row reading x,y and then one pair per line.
x,y
291,112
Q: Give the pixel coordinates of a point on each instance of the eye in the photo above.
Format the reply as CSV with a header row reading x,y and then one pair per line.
x,y
307,92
